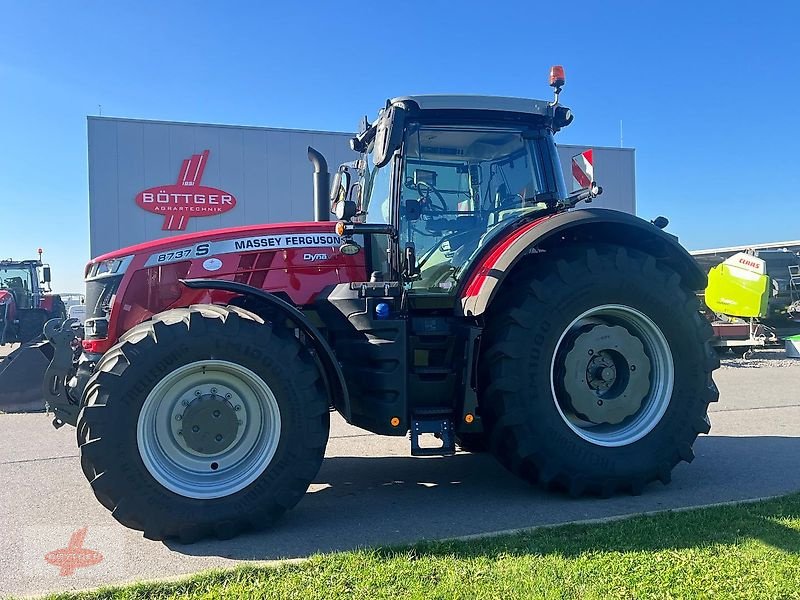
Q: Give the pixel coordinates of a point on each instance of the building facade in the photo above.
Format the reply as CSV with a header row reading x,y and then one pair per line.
x,y
154,179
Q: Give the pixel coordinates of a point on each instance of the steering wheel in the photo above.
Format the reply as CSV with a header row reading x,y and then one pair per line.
x,y
443,206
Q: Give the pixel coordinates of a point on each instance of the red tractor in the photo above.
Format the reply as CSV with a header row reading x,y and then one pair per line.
x,y
459,294
26,301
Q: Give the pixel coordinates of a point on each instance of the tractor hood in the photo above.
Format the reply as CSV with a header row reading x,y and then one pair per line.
x,y
249,237
5,296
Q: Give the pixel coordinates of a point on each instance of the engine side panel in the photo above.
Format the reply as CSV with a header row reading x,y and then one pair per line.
x,y
295,262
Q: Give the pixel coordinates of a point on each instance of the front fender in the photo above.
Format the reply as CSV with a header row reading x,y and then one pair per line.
x,y
594,225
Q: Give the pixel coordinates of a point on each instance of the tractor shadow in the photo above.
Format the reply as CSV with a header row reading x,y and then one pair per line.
x,y
359,502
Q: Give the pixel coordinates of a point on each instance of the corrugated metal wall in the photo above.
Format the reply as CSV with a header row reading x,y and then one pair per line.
x,y
265,169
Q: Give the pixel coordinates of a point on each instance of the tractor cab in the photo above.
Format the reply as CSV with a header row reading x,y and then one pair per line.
x,y
25,281
442,176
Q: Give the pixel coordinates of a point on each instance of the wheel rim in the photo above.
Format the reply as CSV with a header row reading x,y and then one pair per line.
x,y
612,375
208,429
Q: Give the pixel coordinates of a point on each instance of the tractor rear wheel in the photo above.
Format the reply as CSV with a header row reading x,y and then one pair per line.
x,y
596,373
204,421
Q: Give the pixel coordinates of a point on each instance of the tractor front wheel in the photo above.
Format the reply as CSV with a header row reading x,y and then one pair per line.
x,y
204,421
596,373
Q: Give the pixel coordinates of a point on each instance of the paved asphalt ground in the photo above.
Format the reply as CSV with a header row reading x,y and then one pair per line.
x,y
369,491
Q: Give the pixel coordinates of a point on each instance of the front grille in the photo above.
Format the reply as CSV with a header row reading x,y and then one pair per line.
x,y
99,293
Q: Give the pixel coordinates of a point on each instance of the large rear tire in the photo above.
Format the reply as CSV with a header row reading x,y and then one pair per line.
x,y
596,374
204,421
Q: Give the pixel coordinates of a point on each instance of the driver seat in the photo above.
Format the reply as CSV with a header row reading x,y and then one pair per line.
x,y
19,290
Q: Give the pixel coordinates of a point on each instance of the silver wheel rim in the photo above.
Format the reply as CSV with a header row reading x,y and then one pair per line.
x,y
234,426
656,399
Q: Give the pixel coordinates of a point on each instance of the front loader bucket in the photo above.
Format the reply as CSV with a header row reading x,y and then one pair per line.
x,y
21,376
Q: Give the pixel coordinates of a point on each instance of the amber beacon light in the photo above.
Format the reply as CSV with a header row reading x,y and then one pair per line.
x,y
557,78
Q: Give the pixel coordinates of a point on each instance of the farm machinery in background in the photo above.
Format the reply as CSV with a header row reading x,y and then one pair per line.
x,y
738,292
26,304
793,311
26,300
461,296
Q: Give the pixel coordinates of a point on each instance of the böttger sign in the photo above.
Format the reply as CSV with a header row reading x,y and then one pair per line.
x,y
180,201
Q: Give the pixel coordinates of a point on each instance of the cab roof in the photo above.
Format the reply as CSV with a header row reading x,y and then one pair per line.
x,y
470,102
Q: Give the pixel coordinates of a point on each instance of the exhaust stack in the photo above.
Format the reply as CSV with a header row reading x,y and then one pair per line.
x,y
322,191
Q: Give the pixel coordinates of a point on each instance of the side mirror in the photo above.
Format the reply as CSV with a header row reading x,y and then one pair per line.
x,y
389,134
345,209
46,275
341,185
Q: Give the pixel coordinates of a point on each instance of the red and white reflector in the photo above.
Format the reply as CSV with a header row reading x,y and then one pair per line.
x,y
582,170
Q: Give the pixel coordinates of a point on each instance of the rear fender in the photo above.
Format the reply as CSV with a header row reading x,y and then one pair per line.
x,y
332,372
580,226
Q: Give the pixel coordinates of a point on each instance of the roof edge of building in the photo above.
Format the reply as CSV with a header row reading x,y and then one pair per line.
x,y
225,125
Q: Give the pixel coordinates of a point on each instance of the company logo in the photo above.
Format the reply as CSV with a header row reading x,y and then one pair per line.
x,y
74,556
187,198
749,263
316,256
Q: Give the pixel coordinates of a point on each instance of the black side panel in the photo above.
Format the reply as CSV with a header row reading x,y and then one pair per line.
x,y
372,353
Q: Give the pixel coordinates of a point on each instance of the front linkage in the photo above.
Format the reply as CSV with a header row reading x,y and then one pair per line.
x,y
65,338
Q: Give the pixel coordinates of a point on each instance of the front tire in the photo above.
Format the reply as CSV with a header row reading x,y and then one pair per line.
x,y
204,421
597,371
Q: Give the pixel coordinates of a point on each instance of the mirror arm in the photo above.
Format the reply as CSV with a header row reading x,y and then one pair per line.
x,y
586,195
351,229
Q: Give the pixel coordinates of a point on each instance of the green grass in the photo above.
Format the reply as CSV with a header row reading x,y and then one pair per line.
x,y
745,551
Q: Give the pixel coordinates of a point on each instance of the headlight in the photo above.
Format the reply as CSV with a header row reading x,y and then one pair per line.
x,y
110,267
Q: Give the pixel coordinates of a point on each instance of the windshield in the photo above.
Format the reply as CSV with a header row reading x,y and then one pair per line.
x,y
461,186
15,278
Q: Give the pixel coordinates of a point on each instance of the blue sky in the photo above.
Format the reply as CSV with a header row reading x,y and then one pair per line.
x,y
708,92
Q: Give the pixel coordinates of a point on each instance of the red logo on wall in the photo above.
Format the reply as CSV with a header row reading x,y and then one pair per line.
x,y
187,198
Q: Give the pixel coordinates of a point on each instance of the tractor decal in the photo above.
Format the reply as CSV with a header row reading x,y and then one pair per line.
x,y
262,242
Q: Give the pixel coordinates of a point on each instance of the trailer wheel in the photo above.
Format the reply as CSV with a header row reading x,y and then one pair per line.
x,y
596,374
203,422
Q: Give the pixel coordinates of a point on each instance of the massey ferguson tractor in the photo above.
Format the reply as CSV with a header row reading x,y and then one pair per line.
x,y
25,303
460,294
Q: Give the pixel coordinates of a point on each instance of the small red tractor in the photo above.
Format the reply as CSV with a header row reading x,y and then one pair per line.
x,y
459,294
26,301
26,304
